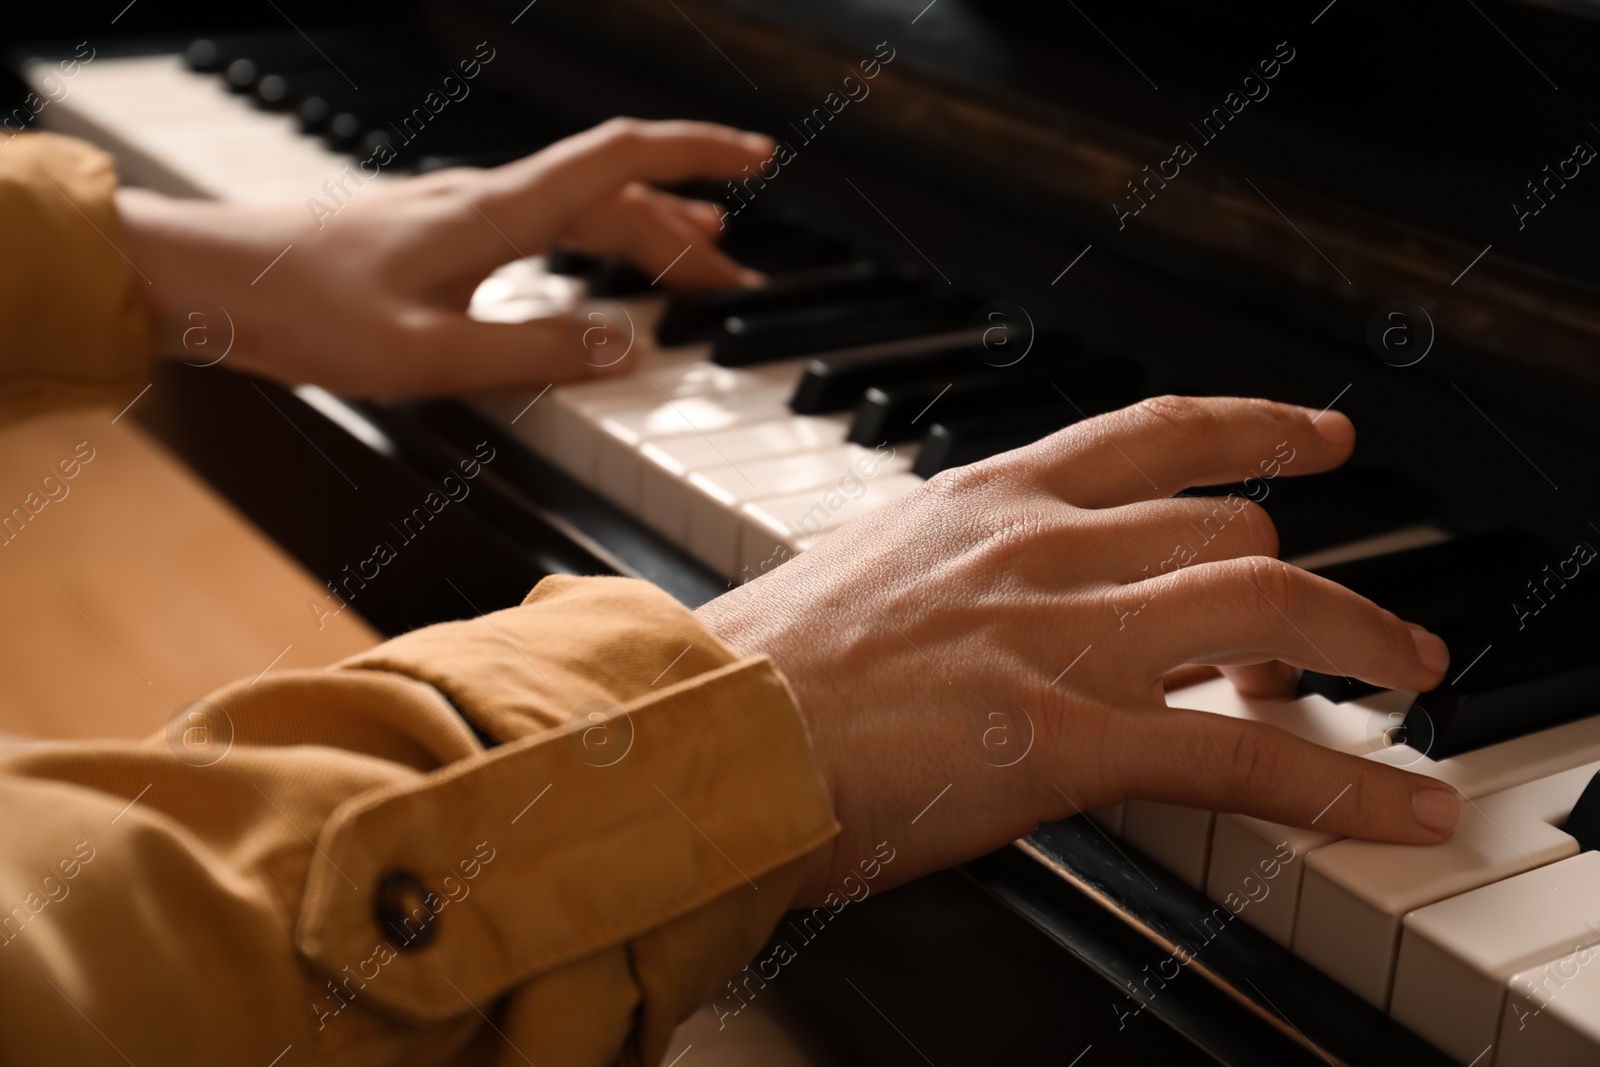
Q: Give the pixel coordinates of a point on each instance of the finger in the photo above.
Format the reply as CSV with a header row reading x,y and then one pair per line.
x,y
1255,609
1272,680
1185,676
535,196
705,217
652,231
1156,537
1165,444
1219,763
447,352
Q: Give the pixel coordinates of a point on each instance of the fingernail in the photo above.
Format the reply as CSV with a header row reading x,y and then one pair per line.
x,y
1437,809
1335,428
1431,650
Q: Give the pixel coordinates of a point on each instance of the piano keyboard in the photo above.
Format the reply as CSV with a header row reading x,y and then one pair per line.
x,y
759,430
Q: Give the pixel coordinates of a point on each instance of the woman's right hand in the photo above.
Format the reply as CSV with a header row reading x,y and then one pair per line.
x,y
1064,579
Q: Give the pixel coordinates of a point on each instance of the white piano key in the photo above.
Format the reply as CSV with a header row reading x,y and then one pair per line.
x,y
1458,958
789,524
1488,770
1109,818
569,433
665,464
1243,848
620,435
1356,892
1552,1011
1379,545
1223,853
184,133
762,549
1180,838
1509,763
1241,845
1357,727
715,521
523,289
1176,837
764,390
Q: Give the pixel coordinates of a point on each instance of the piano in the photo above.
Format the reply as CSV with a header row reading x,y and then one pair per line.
x,y
993,220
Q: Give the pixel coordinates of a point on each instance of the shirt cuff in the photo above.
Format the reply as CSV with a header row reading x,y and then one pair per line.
x,y
689,778
70,311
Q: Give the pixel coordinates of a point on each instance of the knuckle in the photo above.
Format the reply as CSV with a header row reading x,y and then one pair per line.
x,y
424,350
1365,799
1396,638
1262,529
1250,762
620,128
998,524
1229,525
1278,585
1186,423
638,195
957,484
1185,414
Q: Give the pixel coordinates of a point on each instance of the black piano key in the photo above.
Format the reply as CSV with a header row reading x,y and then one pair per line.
x,y
393,86
286,90
355,119
211,55
243,59
901,413
342,117
771,239
960,441
314,111
572,264
1439,586
1515,689
1584,822
700,316
430,162
1336,507
762,337
838,381
1522,620
497,128
487,127
276,93
604,276
242,74
773,244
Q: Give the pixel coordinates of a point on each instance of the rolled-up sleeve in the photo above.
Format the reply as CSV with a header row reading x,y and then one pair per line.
x,y
358,876
72,325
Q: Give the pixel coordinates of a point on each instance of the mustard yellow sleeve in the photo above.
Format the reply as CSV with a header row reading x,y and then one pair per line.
x,y
336,870
72,327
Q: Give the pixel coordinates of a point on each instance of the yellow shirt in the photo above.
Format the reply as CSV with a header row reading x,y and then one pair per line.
x,y
357,880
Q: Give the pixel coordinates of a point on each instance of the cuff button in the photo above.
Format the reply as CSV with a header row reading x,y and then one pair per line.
x,y
402,909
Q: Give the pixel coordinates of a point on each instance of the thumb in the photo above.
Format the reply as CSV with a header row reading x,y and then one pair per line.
x,y
462,355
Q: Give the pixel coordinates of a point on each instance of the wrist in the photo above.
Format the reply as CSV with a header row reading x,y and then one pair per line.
x,y
197,257
734,620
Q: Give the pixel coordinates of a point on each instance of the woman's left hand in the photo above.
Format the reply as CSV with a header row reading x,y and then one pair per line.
x,y
371,299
